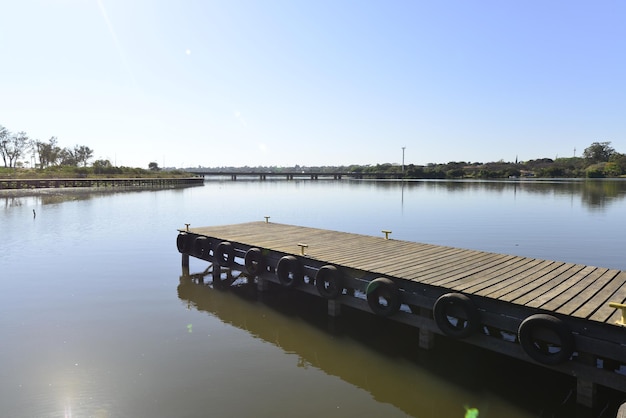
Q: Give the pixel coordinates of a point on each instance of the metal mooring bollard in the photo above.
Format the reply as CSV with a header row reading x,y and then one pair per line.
x,y
386,232
187,227
302,247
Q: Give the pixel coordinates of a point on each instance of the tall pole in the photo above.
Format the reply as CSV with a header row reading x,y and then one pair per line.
x,y
403,159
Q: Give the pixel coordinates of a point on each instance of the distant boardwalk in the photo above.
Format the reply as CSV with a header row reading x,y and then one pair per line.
x,y
6,184
291,175
545,312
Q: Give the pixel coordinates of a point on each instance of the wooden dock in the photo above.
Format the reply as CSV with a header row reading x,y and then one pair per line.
x,y
146,182
549,313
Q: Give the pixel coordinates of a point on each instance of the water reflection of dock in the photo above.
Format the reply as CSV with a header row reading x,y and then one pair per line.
x,y
340,357
550,313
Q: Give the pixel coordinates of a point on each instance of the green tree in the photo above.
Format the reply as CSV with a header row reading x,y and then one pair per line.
x,y
598,152
82,153
102,166
620,160
48,152
595,170
12,146
4,140
153,166
67,157
611,169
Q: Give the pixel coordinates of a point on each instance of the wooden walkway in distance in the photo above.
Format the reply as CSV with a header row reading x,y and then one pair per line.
x,y
59,183
291,175
505,289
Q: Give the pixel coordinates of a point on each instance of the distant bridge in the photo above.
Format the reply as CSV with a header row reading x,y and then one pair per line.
x,y
290,175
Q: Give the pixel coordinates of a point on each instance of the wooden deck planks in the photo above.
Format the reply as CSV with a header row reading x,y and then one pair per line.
x,y
535,282
542,293
366,259
498,278
607,314
420,261
601,299
437,265
476,278
579,300
571,282
513,283
565,288
566,295
469,272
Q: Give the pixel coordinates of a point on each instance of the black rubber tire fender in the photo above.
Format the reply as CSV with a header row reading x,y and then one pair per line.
x,y
383,288
254,262
534,324
328,282
289,271
183,243
224,254
201,247
446,306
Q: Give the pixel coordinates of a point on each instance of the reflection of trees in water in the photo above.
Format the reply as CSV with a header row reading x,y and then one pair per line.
x,y
11,202
55,196
594,194
44,199
599,194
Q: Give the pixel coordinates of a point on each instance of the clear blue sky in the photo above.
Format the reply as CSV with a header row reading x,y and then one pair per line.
x,y
234,83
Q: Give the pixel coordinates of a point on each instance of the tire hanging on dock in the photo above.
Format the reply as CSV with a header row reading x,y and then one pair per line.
x,y
225,254
546,339
183,243
462,310
383,296
328,282
201,247
253,261
289,271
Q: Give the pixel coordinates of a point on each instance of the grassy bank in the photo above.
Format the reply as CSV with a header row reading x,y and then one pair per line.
x,y
68,172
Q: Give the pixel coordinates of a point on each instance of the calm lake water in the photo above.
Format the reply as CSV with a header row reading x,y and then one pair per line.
x,y
96,320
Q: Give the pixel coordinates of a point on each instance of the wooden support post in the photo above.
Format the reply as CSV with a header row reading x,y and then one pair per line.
x,y
426,338
334,307
586,390
262,285
586,393
216,275
185,261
